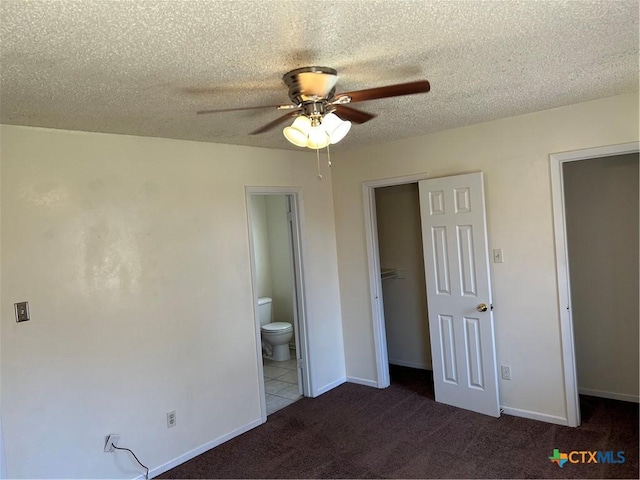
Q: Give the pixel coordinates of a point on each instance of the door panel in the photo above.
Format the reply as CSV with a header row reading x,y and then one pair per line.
x,y
441,261
450,370
457,273
467,261
474,352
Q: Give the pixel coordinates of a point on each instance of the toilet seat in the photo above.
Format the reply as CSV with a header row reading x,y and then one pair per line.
x,y
277,327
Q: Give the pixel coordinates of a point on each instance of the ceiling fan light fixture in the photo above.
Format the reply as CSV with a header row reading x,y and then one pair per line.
x,y
335,127
307,132
298,132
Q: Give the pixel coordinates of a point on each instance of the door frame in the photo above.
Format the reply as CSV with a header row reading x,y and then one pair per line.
x,y
300,324
556,160
375,281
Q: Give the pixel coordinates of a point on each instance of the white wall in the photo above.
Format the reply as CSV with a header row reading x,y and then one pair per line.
x,y
134,255
601,205
3,463
281,256
514,154
273,253
260,232
405,299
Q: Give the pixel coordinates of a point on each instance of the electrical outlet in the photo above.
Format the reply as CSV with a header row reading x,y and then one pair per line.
x,y
171,419
505,372
112,439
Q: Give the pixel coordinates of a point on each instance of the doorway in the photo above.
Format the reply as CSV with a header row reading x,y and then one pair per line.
x,y
602,243
274,231
403,282
597,267
458,289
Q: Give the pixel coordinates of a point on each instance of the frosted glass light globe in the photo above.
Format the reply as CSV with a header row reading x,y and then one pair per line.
x,y
318,137
298,131
336,128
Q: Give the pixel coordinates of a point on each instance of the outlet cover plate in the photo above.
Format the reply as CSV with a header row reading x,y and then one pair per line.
x,y
112,439
171,419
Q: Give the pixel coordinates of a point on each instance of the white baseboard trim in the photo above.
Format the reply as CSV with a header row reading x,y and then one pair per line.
x,y
203,448
402,363
613,396
542,417
328,387
363,381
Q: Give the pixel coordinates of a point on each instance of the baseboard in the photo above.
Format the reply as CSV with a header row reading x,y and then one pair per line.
x,y
402,363
328,387
363,381
542,417
203,448
613,396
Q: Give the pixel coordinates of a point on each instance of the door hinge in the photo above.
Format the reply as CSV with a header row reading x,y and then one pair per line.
x,y
289,217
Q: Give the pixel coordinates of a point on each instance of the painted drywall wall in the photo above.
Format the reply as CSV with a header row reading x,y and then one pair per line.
x,y
514,154
273,253
601,207
400,246
3,463
280,255
260,232
134,255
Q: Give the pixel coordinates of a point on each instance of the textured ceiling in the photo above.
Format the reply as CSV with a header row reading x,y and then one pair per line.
x,y
144,67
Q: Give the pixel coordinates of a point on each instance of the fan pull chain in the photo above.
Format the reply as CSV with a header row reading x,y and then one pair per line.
x,y
318,158
328,157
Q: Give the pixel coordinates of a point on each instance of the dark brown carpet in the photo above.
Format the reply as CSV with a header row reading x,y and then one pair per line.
x,y
401,432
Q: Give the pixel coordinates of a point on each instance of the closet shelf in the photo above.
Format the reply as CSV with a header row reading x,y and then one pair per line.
x,y
389,273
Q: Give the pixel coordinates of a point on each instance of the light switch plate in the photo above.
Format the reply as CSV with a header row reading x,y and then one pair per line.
x,y
22,311
497,255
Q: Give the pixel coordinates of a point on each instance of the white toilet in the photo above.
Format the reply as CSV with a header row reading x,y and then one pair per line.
x,y
276,335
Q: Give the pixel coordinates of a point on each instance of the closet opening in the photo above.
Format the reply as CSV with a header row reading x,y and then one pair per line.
x,y
403,286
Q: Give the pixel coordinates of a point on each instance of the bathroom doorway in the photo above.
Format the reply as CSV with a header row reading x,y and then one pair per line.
x,y
274,227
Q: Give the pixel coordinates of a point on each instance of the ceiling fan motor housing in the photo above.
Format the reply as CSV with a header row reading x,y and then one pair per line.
x,y
311,84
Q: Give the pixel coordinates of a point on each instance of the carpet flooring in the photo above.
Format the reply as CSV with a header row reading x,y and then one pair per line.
x,y
401,432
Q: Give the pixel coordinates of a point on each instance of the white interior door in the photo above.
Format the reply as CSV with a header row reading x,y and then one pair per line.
x,y
456,258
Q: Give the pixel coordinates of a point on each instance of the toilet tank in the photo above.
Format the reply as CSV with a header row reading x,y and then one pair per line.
x,y
264,310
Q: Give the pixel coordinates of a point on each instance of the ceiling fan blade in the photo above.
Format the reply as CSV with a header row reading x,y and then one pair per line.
x,y
220,110
397,90
276,122
353,115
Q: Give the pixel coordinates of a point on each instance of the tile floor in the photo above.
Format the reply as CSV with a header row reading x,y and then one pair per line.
x,y
280,384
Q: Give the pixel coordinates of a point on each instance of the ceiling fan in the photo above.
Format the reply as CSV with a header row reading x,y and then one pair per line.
x,y
322,117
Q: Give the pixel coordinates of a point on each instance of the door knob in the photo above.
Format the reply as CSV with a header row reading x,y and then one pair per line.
x,y
483,307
